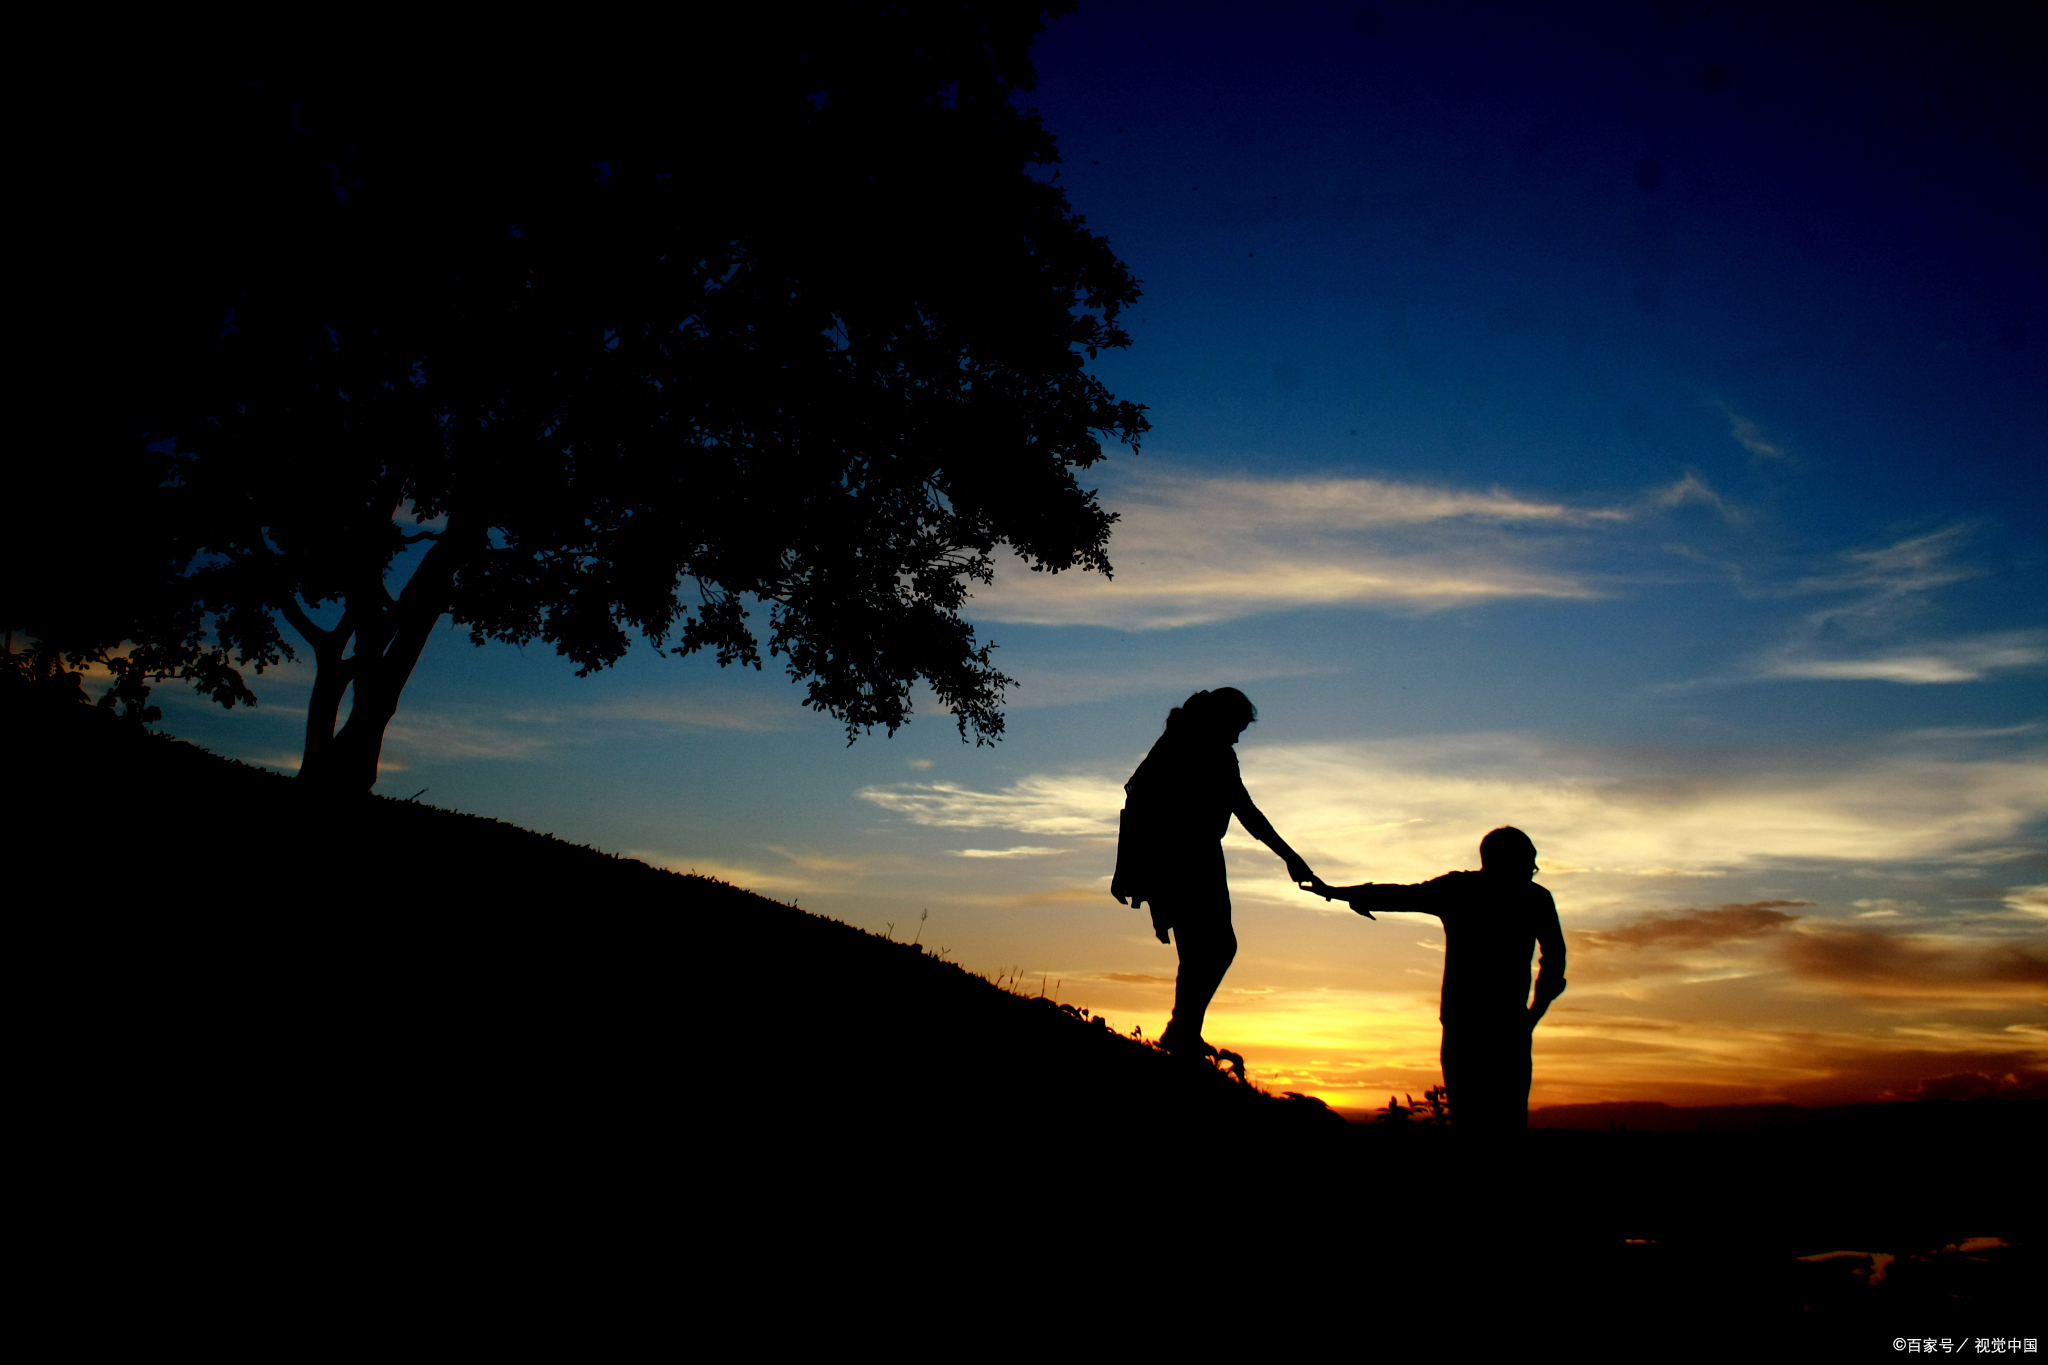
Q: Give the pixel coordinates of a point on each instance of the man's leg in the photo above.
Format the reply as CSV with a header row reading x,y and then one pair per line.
x,y
1514,1079
1489,1109
1208,945
1486,1070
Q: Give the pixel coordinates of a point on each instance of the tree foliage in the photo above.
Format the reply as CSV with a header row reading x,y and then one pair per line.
x,y
578,341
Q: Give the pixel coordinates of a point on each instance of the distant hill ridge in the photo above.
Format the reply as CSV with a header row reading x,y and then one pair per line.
x,y
1651,1117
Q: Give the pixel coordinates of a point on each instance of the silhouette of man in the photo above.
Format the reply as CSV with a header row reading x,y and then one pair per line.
x,y
1494,919
1170,848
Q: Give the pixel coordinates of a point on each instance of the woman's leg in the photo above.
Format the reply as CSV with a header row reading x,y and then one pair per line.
x,y
1207,945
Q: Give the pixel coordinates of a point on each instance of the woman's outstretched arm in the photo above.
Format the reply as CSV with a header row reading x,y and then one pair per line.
x,y
1260,828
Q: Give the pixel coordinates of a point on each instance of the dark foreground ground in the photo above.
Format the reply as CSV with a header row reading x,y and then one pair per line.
x,y
298,1067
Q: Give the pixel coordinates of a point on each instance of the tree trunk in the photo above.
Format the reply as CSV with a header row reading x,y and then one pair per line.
x,y
331,677
354,751
346,760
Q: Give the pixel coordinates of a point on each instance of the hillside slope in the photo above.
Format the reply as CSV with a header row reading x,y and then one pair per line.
x,y
370,921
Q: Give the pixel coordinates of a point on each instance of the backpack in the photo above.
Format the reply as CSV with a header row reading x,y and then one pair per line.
x,y
1137,864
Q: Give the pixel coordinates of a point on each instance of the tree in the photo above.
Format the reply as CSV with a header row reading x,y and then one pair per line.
x,y
576,342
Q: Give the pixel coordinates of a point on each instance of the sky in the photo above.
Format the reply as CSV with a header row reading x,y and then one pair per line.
x,y
1622,422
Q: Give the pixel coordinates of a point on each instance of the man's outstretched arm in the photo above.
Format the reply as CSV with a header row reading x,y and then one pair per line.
x,y
1367,897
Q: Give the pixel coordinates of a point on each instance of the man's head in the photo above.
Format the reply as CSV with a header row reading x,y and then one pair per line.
x,y
1508,852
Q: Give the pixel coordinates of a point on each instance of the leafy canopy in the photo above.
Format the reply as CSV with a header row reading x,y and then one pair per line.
x,y
582,340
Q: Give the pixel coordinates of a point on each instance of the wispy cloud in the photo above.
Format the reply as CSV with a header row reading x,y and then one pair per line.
x,y
1761,938
1606,821
765,880
1064,680
1974,732
820,862
1936,661
1040,804
1874,625
1021,851
291,763
1605,818
1873,962
1688,490
528,732
2028,900
793,872
1751,437
1882,907
1882,581
1694,928
1359,504
711,710
1191,551
438,735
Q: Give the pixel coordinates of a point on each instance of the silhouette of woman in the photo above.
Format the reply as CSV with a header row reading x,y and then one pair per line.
x,y
1170,849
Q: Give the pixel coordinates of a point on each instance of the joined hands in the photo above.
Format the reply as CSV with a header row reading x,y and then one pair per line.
x,y
1305,879
1316,886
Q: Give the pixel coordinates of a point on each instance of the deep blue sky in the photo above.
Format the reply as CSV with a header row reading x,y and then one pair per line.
x,y
1512,244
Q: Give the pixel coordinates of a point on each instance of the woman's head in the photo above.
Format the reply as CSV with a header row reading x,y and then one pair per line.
x,y
1225,711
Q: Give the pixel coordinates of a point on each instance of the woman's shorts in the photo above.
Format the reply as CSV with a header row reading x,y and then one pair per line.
x,y
1192,889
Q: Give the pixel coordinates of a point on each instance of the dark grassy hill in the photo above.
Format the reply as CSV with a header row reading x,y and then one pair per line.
x,y
290,1021
234,901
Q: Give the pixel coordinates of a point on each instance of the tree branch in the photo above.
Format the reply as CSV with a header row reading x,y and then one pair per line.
x,y
321,639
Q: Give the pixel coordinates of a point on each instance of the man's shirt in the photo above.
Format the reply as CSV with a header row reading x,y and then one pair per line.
x,y
1492,928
